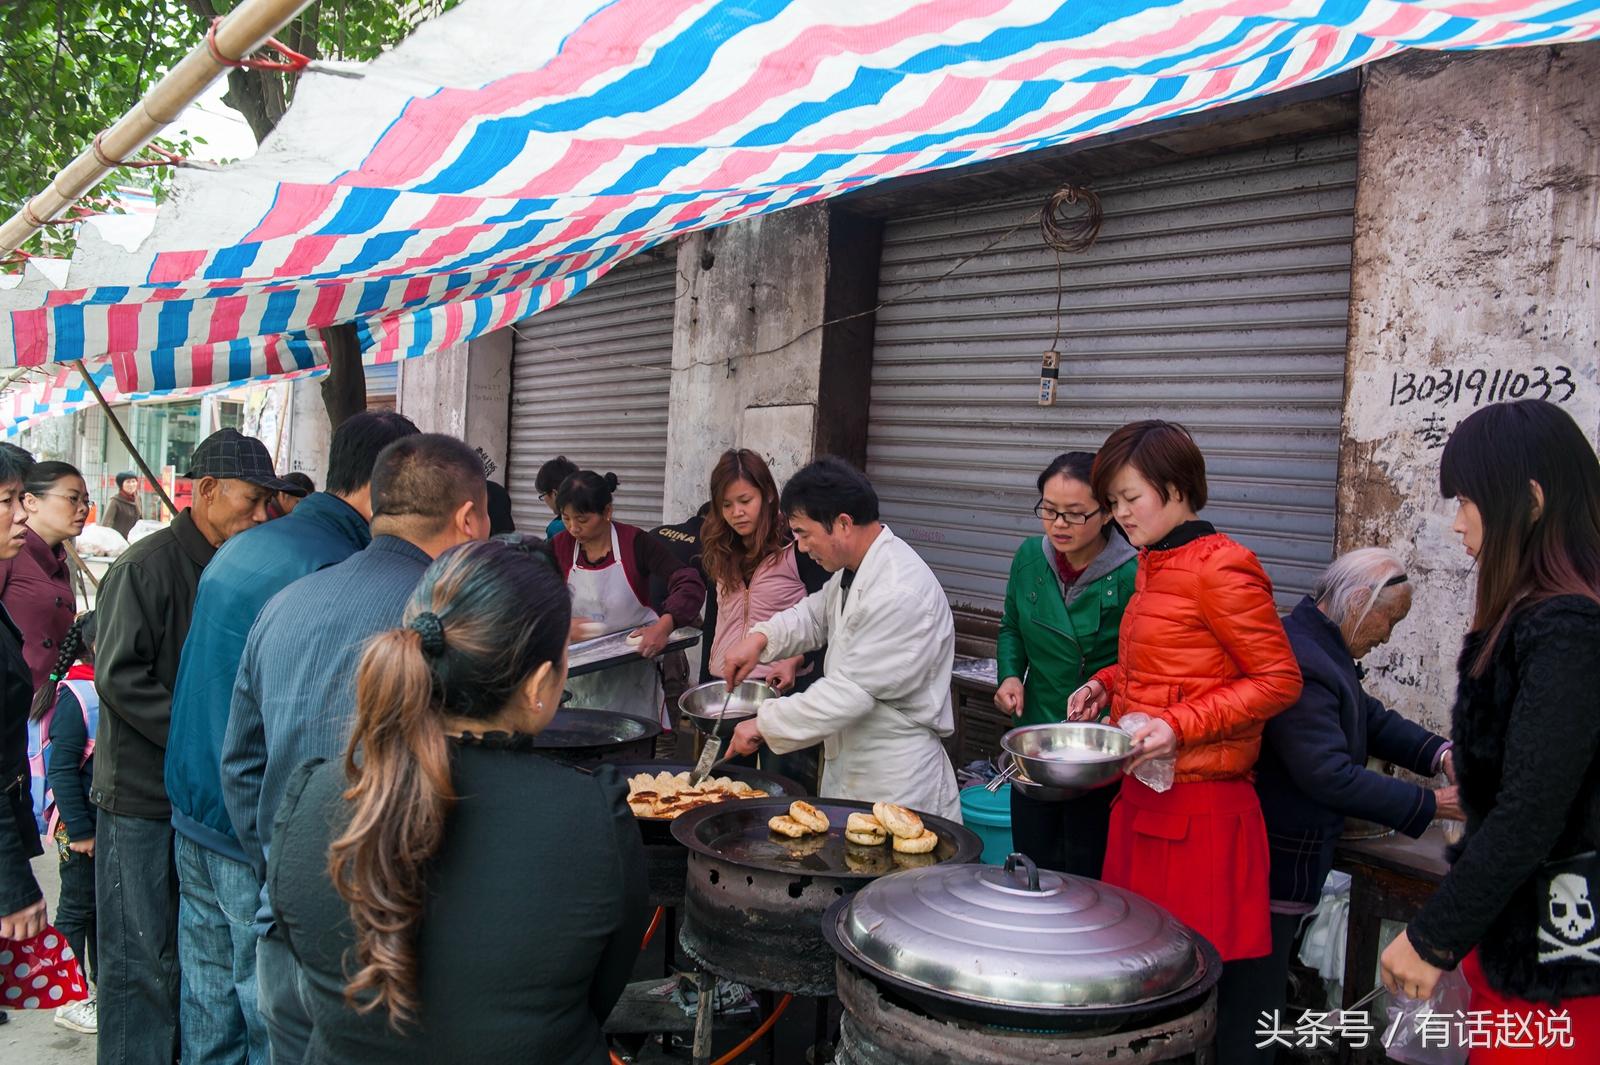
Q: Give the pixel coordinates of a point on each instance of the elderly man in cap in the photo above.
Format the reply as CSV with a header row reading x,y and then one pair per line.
x,y
144,608
216,886
122,509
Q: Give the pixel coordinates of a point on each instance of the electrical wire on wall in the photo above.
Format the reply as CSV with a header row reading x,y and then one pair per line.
x,y
1066,231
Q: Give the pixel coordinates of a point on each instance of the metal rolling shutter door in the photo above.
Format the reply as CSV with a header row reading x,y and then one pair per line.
x,y
589,380
1216,296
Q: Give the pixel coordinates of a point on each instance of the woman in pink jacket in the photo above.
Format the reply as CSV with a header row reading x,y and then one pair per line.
x,y
752,563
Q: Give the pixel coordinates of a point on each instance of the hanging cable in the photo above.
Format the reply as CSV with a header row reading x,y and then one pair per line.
x,y
1066,231
1071,232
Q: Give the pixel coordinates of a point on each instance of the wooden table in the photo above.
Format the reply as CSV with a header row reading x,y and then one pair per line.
x,y
1390,879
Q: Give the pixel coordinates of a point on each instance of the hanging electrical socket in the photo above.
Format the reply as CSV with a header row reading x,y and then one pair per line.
x,y
1049,373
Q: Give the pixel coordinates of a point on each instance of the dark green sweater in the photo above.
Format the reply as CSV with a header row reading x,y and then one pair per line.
x,y
1055,640
536,905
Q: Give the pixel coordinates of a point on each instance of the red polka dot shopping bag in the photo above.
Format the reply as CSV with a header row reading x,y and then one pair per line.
x,y
39,973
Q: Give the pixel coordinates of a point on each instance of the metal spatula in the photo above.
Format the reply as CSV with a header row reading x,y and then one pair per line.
x,y
713,748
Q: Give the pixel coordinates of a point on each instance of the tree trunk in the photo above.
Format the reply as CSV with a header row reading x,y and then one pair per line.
x,y
344,390
262,96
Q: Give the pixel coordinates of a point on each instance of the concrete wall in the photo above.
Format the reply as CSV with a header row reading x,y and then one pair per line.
x,y
1475,262
309,431
464,390
754,361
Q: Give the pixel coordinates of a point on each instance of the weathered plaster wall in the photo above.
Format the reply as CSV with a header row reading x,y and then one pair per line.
x,y
1474,272
753,364
463,390
309,431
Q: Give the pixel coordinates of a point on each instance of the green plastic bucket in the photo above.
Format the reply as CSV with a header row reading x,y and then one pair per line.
x,y
989,815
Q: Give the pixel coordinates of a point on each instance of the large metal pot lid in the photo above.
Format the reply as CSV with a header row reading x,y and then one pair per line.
x,y
1019,937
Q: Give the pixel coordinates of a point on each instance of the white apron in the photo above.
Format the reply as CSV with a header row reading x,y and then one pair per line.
x,y
605,597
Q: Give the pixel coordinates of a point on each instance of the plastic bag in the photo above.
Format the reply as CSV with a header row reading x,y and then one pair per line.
x,y
1322,948
1155,774
39,973
1424,1031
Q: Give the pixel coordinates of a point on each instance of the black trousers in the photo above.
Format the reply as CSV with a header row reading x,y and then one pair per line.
x,y
1250,988
1069,836
136,907
75,909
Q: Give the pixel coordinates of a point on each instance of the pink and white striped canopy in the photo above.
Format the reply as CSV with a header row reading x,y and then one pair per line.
x,y
511,152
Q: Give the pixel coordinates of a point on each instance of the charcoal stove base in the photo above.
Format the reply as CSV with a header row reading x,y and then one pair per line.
x,y
878,1031
767,959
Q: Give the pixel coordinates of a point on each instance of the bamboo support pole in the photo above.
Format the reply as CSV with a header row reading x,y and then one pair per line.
x,y
83,568
240,33
122,434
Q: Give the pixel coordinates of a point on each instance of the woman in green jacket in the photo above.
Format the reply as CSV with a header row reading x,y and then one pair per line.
x,y
1064,603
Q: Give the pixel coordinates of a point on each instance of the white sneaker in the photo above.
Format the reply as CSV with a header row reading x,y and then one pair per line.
x,y
80,1017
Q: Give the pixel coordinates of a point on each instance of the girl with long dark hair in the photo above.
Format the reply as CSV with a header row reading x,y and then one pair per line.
x,y
750,557
446,886
1517,909
1064,603
756,571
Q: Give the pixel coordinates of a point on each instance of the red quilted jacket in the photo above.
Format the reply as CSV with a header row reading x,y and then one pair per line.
x,y
1202,647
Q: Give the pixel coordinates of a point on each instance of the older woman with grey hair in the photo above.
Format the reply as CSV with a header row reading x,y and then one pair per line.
x,y
1312,772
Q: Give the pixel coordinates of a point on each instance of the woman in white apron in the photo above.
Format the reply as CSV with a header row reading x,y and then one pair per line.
x,y
608,565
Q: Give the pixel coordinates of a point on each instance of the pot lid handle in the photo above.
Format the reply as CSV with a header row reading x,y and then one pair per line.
x,y
1015,859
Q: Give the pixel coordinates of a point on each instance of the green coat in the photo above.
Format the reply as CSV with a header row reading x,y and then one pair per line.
x,y
1054,646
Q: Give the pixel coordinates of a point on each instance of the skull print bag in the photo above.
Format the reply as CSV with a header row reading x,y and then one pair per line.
x,y
1568,890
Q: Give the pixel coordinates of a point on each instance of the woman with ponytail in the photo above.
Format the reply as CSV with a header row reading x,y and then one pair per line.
x,y
446,888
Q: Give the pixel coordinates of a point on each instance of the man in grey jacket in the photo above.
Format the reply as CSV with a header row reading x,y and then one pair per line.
x,y
294,696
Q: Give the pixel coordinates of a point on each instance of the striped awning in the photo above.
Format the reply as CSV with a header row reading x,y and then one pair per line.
x,y
511,152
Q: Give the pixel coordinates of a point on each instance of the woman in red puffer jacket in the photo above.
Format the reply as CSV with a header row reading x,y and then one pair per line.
x,y
1202,652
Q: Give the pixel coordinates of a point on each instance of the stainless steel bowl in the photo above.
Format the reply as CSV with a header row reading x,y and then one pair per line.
x,y
702,704
1073,757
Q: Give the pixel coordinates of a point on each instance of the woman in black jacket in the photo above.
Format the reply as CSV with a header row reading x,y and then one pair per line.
x,y
22,913
452,895
1517,909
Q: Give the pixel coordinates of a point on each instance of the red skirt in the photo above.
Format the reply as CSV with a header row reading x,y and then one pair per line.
x,y
1200,851
1516,1028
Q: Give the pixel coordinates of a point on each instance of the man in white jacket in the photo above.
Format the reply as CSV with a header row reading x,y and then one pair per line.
x,y
883,702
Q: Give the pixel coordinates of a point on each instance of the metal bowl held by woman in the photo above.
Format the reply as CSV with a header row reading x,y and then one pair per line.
x,y
702,704
666,859
1016,964
1068,758
588,737
754,900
